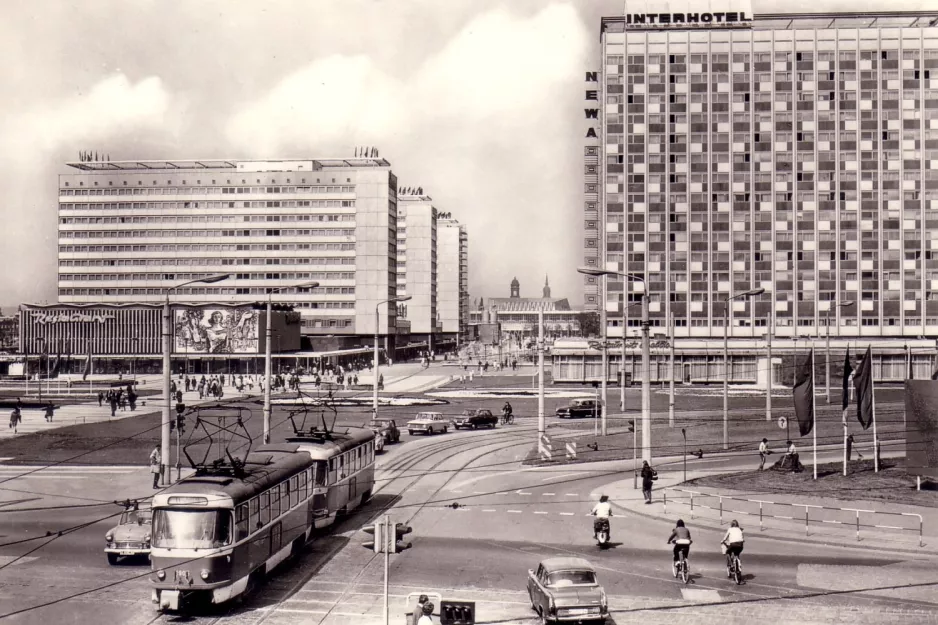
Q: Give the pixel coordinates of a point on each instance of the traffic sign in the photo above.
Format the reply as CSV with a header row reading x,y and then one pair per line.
x,y
782,422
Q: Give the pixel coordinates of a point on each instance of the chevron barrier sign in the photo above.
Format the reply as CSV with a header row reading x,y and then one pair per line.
x,y
544,449
571,451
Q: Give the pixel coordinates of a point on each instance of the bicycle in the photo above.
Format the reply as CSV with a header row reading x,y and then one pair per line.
x,y
734,570
508,419
681,566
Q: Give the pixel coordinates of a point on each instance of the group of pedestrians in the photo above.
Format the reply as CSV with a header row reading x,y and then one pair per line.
x,y
16,415
118,398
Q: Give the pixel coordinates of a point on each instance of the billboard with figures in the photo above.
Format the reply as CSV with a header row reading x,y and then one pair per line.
x,y
921,429
216,330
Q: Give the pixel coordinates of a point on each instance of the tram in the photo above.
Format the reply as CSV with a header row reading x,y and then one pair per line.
x,y
217,533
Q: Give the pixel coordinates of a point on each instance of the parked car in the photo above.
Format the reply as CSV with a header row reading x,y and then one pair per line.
x,y
386,429
579,408
428,423
131,537
565,589
473,419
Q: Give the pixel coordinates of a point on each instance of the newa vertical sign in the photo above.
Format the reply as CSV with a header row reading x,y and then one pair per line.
x,y
687,14
592,104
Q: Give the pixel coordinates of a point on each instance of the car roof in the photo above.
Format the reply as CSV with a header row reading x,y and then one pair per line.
x,y
428,412
566,564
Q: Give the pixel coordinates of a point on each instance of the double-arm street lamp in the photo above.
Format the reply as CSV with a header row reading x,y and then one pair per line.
x,y
267,350
167,374
394,300
646,356
726,359
827,348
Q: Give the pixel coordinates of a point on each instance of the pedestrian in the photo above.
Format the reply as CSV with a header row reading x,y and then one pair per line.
x,y
16,417
426,616
648,475
763,452
155,462
113,402
100,399
50,410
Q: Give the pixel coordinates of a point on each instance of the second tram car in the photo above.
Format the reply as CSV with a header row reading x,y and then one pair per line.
x,y
215,535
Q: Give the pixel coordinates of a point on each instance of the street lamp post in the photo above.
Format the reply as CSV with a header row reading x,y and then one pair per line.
x,y
167,374
770,374
726,359
42,350
267,350
646,358
374,401
827,348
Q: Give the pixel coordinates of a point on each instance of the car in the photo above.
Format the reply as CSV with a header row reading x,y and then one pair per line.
x,y
386,429
472,419
428,423
566,589
579,408
131,537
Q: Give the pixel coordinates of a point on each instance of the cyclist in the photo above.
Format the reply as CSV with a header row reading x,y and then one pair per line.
x,y
602,511
680,536
506,412
733,539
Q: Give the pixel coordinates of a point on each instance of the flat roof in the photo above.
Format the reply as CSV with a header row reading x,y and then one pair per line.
x,y
790,21
214,163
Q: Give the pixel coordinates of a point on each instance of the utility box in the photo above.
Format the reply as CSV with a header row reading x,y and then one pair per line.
x,y
457,612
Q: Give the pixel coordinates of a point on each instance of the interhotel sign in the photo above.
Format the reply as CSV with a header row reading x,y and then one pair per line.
x,y
47,318
718,19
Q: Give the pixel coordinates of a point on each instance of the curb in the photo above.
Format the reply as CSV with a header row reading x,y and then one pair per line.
x,y
806,540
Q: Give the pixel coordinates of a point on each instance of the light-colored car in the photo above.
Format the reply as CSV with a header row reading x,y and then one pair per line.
x,y
428,423
565,589
131,537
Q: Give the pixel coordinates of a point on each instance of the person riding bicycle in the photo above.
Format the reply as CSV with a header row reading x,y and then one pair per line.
x,y
602,511
506,412
680,536
734,540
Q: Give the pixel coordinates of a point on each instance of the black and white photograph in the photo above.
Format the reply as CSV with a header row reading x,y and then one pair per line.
x,y
469,312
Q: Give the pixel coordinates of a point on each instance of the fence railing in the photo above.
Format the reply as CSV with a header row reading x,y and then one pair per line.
x,y
711,501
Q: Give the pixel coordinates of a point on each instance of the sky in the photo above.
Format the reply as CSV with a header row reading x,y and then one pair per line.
x,y
477,101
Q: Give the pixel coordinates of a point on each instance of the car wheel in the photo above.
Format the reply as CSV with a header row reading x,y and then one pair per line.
x,y
445,429
112,558
411,432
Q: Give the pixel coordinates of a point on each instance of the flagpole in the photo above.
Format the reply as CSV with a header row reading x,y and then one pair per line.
x,y
814,413
873,409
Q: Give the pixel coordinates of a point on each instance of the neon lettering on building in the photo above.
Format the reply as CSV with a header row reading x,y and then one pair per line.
x,y
47,318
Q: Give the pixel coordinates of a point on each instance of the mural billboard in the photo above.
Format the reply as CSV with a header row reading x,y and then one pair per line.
x,y
216,330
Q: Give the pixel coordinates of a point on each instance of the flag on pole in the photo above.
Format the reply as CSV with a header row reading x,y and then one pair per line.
x,y
863,382
87,371
847,371
804,395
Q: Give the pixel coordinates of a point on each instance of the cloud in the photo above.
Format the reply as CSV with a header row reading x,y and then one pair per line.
x,y
486,124
113,113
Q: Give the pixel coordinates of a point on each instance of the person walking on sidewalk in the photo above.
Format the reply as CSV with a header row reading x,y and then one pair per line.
x,y
155,462
648,475
50,411
100,399
16,417
763,452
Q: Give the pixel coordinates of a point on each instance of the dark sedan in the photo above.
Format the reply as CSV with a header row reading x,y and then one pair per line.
x,y
474,419
579,408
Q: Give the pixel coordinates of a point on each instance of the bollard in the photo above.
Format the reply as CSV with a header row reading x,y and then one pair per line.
x,y
806,520
665,495
858,526
692,505
760,517
721,511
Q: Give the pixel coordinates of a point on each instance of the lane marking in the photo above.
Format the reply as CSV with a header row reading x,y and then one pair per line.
x,y
572,495
540,512
489,510
513,511
547,494
521,492
567,513
557,477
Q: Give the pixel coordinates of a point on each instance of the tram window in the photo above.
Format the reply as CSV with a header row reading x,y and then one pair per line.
x,y
265,508
241,522
294,491
342,466
275,502
332,470
287,494
254,503
303,483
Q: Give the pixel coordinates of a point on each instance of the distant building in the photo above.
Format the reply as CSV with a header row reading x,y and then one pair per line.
x,y
417,265
452,277
518,316
9,333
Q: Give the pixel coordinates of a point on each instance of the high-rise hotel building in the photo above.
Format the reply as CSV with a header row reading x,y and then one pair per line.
x,y
453,277
798,153
128,230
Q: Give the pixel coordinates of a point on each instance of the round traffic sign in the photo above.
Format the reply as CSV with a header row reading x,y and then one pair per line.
x,y
782,422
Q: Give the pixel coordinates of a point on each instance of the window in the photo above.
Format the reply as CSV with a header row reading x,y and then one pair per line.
x,y
242,529
265,508
275,502
255,518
